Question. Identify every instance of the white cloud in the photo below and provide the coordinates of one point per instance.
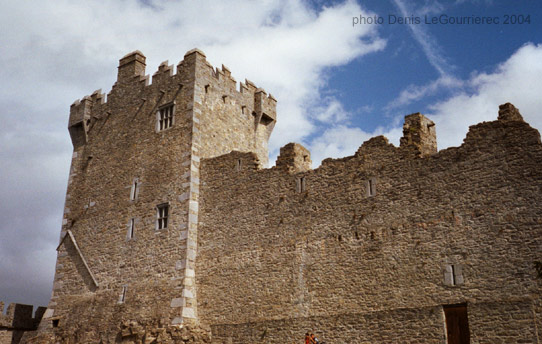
(431, 7)
(331, 111)
(337, 142)
(428, 43)
(416, 92)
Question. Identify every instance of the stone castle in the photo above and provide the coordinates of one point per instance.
(173, 232)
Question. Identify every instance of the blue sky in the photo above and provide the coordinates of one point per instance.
(337, 84)
(460, 50)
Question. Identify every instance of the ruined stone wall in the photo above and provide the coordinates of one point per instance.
(365, 250)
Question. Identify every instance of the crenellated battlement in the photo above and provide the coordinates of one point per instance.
(247, 108)
(132, 69)
(20, 316)
(164, 71)
(418, 141)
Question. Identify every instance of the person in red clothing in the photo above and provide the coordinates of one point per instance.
(307, 338)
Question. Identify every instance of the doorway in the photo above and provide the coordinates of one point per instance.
(457, 324)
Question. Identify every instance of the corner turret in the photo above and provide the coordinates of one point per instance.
(265, 110)
(79, 121)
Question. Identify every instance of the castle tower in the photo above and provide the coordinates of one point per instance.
(128, 242)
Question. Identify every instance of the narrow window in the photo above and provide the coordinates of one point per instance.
(238, 165)
(243, 109)
(131, 229)
(457, 324)
(165, 118)
(453, 275)
(206, 88)
(300, 185)
(134, 190)
(224, 98)
(56, 322)
(162, 216)
(371, 187)
(122, 297)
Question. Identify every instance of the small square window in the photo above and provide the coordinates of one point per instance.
(165, 118)
(162, 213)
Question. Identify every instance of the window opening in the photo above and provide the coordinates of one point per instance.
(162, 216)
(123, 295)
(301, 185)
(165, 117)
(131, 229)
(453, 275)
(371, 187)
(134, 190)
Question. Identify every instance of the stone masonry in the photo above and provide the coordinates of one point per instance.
(376, 247)
(174, 232)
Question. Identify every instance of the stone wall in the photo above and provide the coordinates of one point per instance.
(458, 226)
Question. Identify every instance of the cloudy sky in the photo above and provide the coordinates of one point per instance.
(343, 71)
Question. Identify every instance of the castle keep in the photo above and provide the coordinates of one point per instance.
(174, 231)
